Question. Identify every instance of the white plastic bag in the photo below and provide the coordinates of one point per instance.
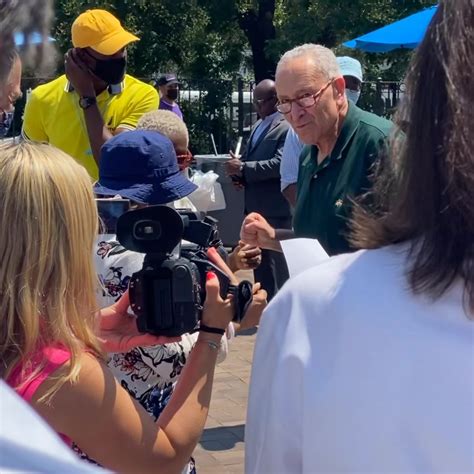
(209, 195)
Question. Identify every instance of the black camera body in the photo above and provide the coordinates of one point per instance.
(168, 293)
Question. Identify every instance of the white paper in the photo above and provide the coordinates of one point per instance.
(302, 254)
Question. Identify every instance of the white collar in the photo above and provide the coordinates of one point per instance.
(113, 89)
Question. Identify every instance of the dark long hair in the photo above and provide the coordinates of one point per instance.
(426, 189)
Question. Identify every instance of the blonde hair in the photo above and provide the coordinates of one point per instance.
(324, 60)
(48, 220)
(168, 124)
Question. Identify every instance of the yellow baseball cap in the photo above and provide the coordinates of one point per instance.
(101, 31)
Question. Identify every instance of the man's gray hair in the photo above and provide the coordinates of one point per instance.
(24, 16)
(325, 62)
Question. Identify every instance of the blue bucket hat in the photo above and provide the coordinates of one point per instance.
(141, 165)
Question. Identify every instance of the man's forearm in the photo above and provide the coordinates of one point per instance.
(280, 234)
(96, 129)
(284, 234)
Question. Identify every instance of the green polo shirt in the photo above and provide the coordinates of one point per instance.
(325, 191)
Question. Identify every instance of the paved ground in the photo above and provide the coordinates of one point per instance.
(221, 449)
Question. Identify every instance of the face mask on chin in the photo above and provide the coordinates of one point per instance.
(353, 96)
(111, 71)
(6, 120)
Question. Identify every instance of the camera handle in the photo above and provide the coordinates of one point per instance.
(243, 297)
(207, 266)
(243, 292)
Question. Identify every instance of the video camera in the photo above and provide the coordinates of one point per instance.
(168, 293)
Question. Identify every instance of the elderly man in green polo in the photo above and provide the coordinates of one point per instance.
(342, 144)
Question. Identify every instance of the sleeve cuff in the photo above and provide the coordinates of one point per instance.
(127, 127)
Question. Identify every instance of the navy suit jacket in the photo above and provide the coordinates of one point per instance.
(261, 172)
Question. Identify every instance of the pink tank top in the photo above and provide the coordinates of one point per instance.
(55, 357)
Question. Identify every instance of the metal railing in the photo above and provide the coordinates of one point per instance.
(224, 108)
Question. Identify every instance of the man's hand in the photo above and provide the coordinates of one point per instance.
(234, 165)
(118, 329)
(245, 257)
(78, 73)
(257, 232)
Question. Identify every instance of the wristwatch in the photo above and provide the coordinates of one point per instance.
(85, 102)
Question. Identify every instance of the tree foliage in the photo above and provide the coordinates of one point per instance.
(330, 23)
(211, 38)
(175, 35)
(208, 41)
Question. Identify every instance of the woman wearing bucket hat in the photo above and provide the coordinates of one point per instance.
(142, 166)
(243, 256)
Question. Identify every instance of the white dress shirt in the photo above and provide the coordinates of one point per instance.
(263, 126)
(352, 372)
(290, 159)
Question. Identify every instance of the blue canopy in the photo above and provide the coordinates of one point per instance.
(405, 33)
(34, 38)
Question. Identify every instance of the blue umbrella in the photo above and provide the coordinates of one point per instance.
(34, 38)
(405, 33)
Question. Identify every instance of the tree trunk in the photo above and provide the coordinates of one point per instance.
(259, 28)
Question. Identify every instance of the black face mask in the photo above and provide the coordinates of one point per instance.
(172, 94)
(111, 71)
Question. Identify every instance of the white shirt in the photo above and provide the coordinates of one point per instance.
(290, 159)
(263, 126)
(354, 373)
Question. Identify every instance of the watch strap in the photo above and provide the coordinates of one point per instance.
(86, 101)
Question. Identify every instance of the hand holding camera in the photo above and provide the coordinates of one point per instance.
(252, 315)
(217, 312)
(119, 332)
(169, 292)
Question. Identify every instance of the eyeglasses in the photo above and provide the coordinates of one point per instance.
(260, 102)
(184, 160)
(305, 101)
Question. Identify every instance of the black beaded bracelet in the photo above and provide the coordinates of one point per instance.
(205, 328)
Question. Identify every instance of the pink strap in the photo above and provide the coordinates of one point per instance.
(55, 357)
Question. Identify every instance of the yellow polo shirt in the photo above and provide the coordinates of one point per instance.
(53, 115)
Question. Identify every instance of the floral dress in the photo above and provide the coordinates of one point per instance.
(149, 374)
